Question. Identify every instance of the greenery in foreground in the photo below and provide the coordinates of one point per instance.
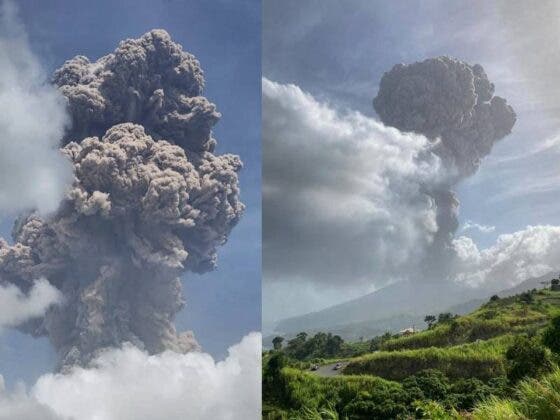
(499, 362)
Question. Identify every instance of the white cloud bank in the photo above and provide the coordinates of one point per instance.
(17, 307)
(528, 253)
(33, 173)
(128, 384)
(343, 195)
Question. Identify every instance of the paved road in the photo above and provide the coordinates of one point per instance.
(327, 370)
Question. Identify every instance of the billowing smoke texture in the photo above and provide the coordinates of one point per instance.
(446, 99)
(343, 197)
(149, 202)
(150, 81)
(453, 104)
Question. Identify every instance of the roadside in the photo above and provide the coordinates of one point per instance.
(329, 370)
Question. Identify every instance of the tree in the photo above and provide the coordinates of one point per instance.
(333, 345)
(555, 284)
(494, 298)
(527, 358)
(551, 336)
(296, 347)
(375, 343)
(526, 297)
(429, 319)
(445, 317)
(277, 342)
(272, 382)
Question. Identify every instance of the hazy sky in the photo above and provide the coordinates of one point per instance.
(224, 305)
(338, 51)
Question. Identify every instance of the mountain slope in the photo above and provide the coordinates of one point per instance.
(395, 307)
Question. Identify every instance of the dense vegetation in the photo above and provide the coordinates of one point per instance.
(323, 346)
(515, 314)
(483, 360)
(491, 364)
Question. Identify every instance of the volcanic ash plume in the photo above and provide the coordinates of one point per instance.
(150, 81)
(453, 104)
(149, 201)
(446, 99)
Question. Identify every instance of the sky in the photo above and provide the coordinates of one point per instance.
(337, 53)
(223, 305)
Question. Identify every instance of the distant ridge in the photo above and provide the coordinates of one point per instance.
(396, 306)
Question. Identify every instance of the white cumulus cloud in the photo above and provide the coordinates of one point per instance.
(129, 384)
(343, 195)
(17, 307)
(33, 173)
(515, 257)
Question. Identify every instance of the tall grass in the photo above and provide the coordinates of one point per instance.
(305, 413)
(482, 360)
(534, 399)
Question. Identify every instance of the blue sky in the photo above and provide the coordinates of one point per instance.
(224, 35)
(338, 51)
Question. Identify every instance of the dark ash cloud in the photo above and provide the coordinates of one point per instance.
(150, 81)
(451, 103)
(149, 202)
(446, 100)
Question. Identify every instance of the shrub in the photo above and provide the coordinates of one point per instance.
(356, 397)
(526, 358)
(551, 336)
(467, 392)
(433, 384)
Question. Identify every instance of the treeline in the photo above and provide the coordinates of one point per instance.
(322, 345)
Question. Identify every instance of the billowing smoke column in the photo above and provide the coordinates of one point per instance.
(453, 104)
(150, 201)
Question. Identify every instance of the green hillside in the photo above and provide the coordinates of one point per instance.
(460, 367)
(482, 360)
(501, 316)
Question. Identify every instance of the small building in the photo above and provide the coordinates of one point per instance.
(407, 331)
